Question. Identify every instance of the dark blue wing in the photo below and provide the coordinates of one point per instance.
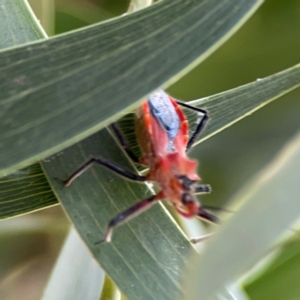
(164, 111)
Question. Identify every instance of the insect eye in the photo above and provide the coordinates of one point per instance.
(186, 182)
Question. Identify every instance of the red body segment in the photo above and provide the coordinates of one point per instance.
(162, 132)
(166, 165)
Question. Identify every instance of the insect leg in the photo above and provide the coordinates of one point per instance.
(210, 207)
(126, 215)
(101, 161)
(114, 127)
(201, 238)
(202, 189)
(200, 125)
(203, 214)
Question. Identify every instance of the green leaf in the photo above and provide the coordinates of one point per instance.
(284, 271)
(75, 264)
(271, 206)
(194, 228)
(110, 291)
(136, 5)
(149, 251)
(233, 105)
(45, 15)
(18, 24)
(25, 191)
(224, 108)
(57, 91)
(228, 107)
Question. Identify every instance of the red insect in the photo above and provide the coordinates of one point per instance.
(162, 132)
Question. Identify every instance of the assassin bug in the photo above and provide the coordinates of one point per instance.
(162, 132)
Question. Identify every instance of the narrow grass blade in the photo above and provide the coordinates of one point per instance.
(25, 191)
(228, 107)
(76, 274)
(224, 108)
(271, 207)
(284, 270)
(146, 256)
(63, 89)
(231, 106)
(18, 24)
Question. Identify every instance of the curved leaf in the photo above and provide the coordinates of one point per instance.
(25, 191)
(18, 24)
(224, 108)
(228, 107)
(284, 270)
(58, 91)
(271, 207)
(233, 105)
(75, 264)
(149, 251)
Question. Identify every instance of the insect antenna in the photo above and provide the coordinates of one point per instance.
(216, 208)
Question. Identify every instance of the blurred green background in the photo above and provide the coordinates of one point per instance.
(268, 43)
